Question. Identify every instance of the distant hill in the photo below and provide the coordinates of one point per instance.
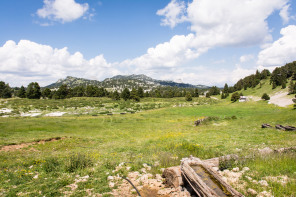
(119, 82)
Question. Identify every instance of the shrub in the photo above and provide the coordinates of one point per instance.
(235, 96)
(188, 96)
(265, 97)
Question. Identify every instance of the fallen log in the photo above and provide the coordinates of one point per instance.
(266, 126)
(285, 128)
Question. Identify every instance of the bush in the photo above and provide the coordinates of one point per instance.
(235, 96)
(265, 97)
(188, 97)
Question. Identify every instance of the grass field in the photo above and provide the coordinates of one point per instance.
(93, 144)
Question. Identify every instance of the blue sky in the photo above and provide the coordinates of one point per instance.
(209, 42)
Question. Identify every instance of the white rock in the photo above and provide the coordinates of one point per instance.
(158, 177)
(265, 151)
(109, 178)
(245, 169)
(35, 177)
(252, 192)
(264, 194)
(249, 178)
(111, 184)
(263, 183)
(235, 169)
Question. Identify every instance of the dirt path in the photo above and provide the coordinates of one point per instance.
(281, 99)
(24, 145)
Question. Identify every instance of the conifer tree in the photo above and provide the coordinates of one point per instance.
(22, 92)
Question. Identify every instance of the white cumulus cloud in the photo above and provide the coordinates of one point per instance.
(27, 61)
(281, 51)
(284, 13)
(62, 10)
(173, 13)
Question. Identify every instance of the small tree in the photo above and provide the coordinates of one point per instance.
(235, 96)
(115, 95)
(265, 97)
(46, 93)
(294, 100)
(140, 92)
(5, 90)
(22, 92)
(33, 91)
(292, 87)
(125, 94)
(188, 96)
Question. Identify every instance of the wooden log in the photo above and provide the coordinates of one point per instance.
(285, 128)
(204, 181)
(280, 127)
(266, 126)
(173, 176)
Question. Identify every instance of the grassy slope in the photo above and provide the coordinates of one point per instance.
(265, 87)
(146, 137)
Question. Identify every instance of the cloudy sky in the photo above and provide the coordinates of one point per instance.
(208, 42)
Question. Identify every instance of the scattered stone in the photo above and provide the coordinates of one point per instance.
(264, 194)
(245, 169)
(263, 183)
(111, 184)
(252, 192)
(265, 151)
(235, 169)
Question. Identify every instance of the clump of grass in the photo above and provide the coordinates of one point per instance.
(227, 163)
(77, 162)
(51, 164)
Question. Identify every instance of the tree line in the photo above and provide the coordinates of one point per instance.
(33, 91)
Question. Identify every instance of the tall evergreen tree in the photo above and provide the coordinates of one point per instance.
(46, 93)
(33, 91)
(125, 94)
(5, 90)
(140, 92)
(22, 92)
(115, 95)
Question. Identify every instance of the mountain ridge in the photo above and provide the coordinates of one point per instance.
(119, 82)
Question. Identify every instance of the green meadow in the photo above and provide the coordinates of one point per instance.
(92, 143)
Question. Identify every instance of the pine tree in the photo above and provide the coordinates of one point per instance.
(46, 93)
(22, 92)
(134, 95)
(292, 87)
(140, 92)
(125, 94)
(5, 90)
(115, 95)
(33, 91)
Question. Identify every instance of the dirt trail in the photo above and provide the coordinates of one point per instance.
(281, 99)
(24, 145)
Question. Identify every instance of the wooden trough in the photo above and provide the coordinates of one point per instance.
(202, 179)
